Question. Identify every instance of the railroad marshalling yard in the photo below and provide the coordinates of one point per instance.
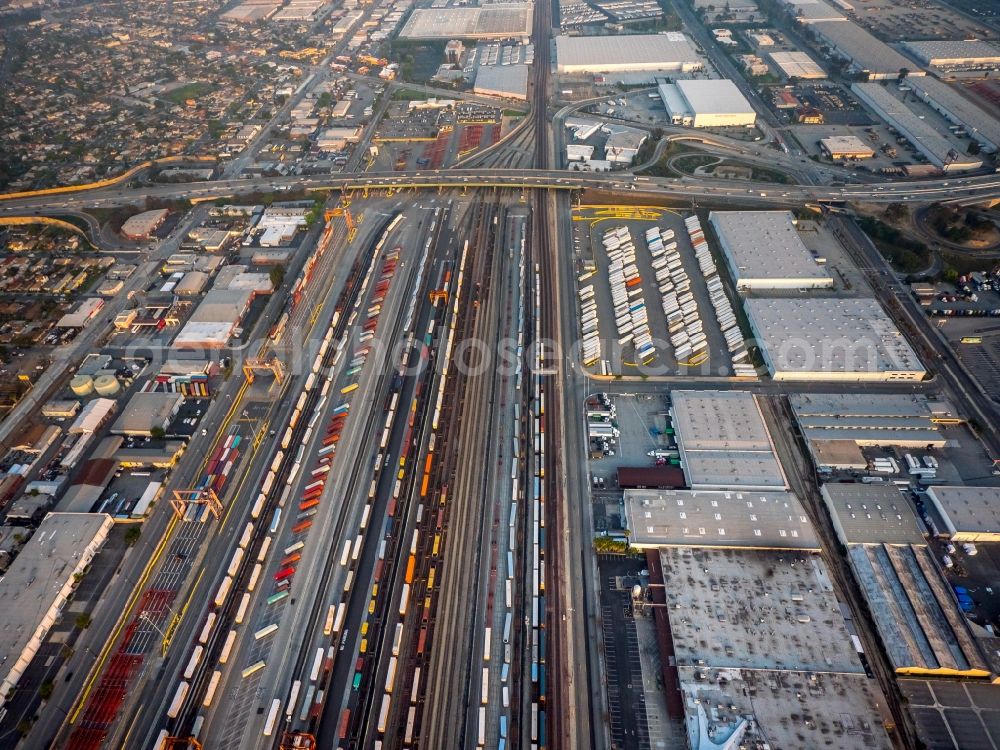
(370, 543)
(503, 455)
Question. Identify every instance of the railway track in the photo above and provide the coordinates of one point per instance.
(447, 689)
(225, 615)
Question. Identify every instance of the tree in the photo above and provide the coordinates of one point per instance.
(157, 433)
(83, 621)
(132, 535)
(277, 275)
(896, 212)
(903, 72)
(974, 148)
(45, 690)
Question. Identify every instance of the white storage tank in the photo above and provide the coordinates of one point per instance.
(82, 385)
(106, 385)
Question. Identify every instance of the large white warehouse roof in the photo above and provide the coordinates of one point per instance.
(39, 582)
(764, 251)
(706, 103)
(953, 52)
(831, 339)
(640, 52)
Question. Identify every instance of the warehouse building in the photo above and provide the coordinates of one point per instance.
(970, 514)
(710, 103)
(813, 11)
(844, 339)
(753, 632)
(836, 425)
(654, 53)
(918, 620)
(797, 65)
(871, 514)
(723, 441)
(939, 151)
(38, 584)
(760, 245)
(215, 320)
(141, 226)
(954, 53)
(717, 518)
(500, 21)
(147, 412)
(864, 52)
(841, 147)
(946, 100)
(623, 143)
(505, 81)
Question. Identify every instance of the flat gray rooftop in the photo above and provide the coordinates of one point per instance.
(490, 22)
(830, 710)
(38, 582)
(759, 609)
(831, 338)
(871, 514)
(863, 49)
(970, 513)
(918, 619)
(762, 245)
(716, 518)
(723, 440)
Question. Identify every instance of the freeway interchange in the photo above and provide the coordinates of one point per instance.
(962, 189)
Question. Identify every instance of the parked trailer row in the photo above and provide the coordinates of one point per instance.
(631, 321)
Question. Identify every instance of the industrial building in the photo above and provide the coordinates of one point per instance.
(979, 124)
(795, 64)
(500, 21)
(871, 514)
(146, 411)
(864, 52)
(756, 631)
(505, 81)
(918, 620)
(954, 53)
(723, 441)
(654, 53)
(813, 12)
(846, 147)
(214, 321)
(886, 419)
(623, 143)
(970, 514)
(940, 151)
(844, 339)
(708, 103)
(39, 582)
(763, 250)
(717, 518)
(83, 314)
(141, 226)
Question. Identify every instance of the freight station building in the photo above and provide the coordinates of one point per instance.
(848, 339)
(763, 250)
(38, 584)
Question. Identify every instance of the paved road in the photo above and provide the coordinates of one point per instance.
(967, 189)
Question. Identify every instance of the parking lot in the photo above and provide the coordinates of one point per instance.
(643, 424)
(618, 355)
